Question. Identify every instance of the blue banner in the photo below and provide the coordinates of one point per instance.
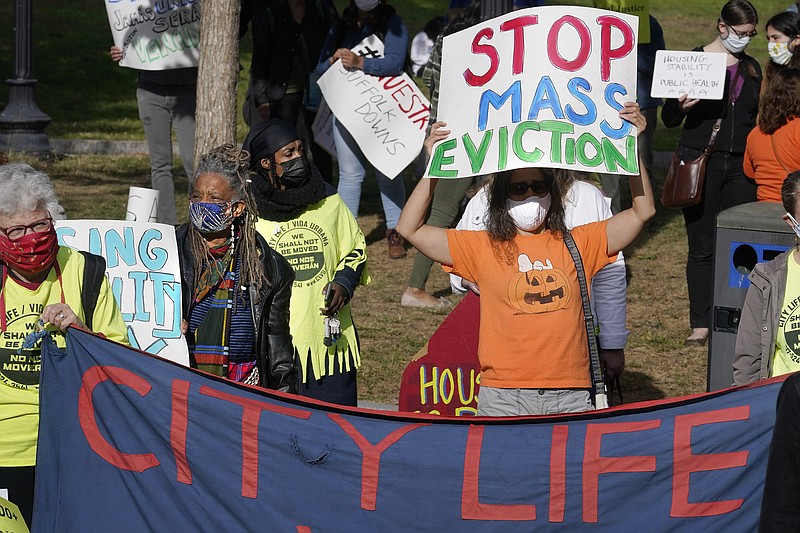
(131, 442)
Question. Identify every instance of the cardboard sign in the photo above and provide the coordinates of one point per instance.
(156, 34)
(539, 87)
(698, 75)
(640, 8)
(142, 267)
(387, 117)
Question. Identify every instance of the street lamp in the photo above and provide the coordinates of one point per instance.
(22, 123)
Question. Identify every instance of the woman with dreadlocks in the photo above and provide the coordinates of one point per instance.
(236, 289)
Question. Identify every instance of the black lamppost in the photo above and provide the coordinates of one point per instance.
(22, 123)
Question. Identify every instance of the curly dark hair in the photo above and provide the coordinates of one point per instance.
(499, 224)
(781, 101)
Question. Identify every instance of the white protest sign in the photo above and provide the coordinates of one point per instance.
(322, 128)
(387, 116)
(539, 87)
(142, 267)
(698, 75)
(156, 35)
(142, 205)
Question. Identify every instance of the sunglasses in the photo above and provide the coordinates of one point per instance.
(538, 187)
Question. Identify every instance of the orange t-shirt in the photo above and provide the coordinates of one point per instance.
(532, 333)
(761, 163)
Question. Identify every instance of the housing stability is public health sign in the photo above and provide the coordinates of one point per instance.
(539, 87)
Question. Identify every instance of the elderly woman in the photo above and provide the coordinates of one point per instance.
(43, 286)
(236, 289)
(305, 220)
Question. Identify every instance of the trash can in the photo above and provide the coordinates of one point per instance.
(745, 235)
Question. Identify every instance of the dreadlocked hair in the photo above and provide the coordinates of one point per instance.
(499, 224)
(232, 164)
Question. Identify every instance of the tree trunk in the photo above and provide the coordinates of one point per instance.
(217, 75)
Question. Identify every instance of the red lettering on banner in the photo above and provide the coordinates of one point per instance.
(178, 427)
(518, 26)
(594, 464)
(490, 52)
(558, 473)
(584, 35)
(685, 462)
(251, 417)
(371, 457)
(607, 54)
(303, 529)
(471, 507)
(136, 462)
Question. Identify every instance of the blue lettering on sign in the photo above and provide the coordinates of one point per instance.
(575, 86)
(120, 248)
(615, 133)
(490, 97)
(546, 97)
(155, 258)
(164, 284)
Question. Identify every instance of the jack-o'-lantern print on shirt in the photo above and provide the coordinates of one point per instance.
(538, 287)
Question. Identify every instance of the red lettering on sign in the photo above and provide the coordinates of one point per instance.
(178, 427)
(251, 417)
(584, 35)
(136, 462)
(371, 457)
(490, 52)
(607, 54)
(518, 25)
(594, 464)
(471, 508)
(685, 462)
(558, 473)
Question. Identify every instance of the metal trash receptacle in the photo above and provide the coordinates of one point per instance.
(745, 235)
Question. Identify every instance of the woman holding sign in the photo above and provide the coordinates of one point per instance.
(533, 349)
(361, 19)
(725, 183)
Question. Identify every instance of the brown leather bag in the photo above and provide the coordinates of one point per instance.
(684, 184)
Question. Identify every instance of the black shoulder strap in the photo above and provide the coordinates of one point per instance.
(601, 400)
(94, 270)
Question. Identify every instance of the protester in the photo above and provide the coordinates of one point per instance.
(771, 150)
(44, 287)
(533, 361)
(360, 19)
(783, 38)
(287, 41)
(725, 183)
(304, 219)
(583, 203)
(236, 289)
(449, 194)
(422, 44)
(167, 101)
(768, 327)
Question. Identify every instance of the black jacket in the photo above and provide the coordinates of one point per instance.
(737, 118)
(276, 40)
(270, 309)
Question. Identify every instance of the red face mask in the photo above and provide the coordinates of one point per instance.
(30, 254)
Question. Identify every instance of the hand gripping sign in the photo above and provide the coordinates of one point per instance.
(387, 116)
(539, 87)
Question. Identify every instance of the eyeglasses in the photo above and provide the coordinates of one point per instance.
(17, 232)
(538, 187)
(741, 35)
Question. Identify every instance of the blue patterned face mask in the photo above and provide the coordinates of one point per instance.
(211, 217)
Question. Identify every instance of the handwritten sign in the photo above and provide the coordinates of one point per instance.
(156, 35)
(539, 87)
(322, 128)
(142, 267)
(696, 74)
(386, 116)
(640, 8)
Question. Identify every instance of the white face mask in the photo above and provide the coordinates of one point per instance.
(779, 52)
(733, 43)
(530, 213)
(367, 5)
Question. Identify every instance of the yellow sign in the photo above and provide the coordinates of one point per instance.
(640, 8)
(11, 520)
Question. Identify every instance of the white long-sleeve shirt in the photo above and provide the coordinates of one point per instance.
(584, 203)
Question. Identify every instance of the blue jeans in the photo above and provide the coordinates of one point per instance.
(353, 168)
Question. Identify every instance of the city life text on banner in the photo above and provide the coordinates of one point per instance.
(387, 116)
(156, 34)
(539, 87)
(142, 268)
(146, 438)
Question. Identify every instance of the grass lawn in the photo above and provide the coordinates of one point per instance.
(90, 97)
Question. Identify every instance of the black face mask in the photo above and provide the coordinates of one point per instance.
(295, 172)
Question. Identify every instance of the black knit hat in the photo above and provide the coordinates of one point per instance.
(267, 138)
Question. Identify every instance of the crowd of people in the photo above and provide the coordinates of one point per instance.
(259, 311)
